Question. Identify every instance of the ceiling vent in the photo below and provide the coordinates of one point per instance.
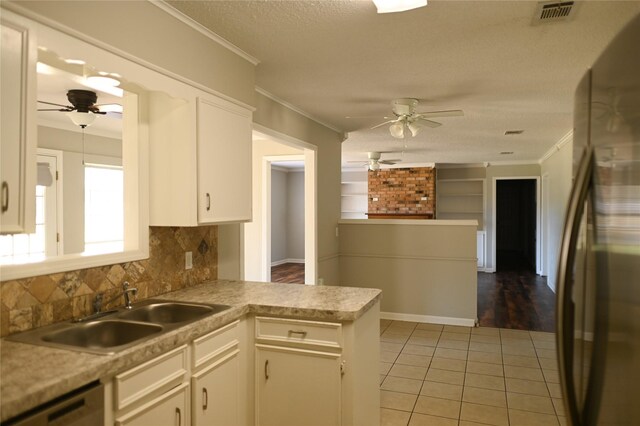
(553, 12)
(513, 132)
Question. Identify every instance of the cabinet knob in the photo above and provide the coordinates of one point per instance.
(5, 196)
(208, 202)
(205, 398)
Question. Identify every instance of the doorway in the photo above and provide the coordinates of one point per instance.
(287, 221)
(516, 225)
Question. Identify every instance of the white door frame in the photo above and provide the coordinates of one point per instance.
(495, 215)
(309, 156)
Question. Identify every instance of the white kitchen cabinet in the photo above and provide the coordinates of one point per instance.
(169, 409)
(297, 386)
(298, 372)
(216, 389)
(199, 160)
(224, 162)
(18, 137)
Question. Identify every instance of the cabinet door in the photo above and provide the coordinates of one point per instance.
(297, 387)
(18, 129)
(215, 398)
(224, 162)
(169, 409)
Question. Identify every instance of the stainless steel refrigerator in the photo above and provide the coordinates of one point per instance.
(598, 306)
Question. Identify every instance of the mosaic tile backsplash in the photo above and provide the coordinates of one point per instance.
(33, 302)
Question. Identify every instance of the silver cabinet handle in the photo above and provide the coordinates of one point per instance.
(205, 398)
(179, 416)
(208, 201)
(564, 308)
(266, 370)
(300, 332)
(5, 196)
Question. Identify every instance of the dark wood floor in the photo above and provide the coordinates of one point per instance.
(515, 297)
(292, 273)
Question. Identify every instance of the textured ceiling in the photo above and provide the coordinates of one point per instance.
(334, 59)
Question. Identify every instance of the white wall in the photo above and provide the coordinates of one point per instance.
(295, 215)
(556, 172)
(279, 228)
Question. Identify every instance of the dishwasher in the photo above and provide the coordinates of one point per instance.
(81, 407)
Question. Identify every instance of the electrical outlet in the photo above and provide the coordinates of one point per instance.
(320, 281)
(337, 231)
(188, 260)
(424, 198)
(375, 199)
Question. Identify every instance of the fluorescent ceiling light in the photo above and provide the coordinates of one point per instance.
(111, 108)
(390, 6)
(102, 80)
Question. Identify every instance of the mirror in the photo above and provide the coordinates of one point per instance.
(91, 189)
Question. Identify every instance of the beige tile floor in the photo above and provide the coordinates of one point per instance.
(450, 375)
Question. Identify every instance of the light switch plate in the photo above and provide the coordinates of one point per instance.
(188, 260)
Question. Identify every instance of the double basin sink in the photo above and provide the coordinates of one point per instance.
(113, 331)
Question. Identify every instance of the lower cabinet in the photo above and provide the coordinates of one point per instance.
(216, 390)
(297, 387)
(170, 409)
(196, 384)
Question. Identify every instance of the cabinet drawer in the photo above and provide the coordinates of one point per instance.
(211, 345)
(327, 334)
(150, 378)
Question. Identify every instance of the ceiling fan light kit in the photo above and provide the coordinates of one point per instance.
(392, 6)
(82, 119)
(397, 130)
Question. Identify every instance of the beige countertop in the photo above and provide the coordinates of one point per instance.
(31, 375)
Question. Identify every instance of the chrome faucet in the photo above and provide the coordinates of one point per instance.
(126, 292)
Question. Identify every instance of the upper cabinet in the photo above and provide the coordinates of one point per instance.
(200, 161)
(224, 162)
(18, 138)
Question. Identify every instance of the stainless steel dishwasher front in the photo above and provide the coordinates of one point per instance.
(82, 407)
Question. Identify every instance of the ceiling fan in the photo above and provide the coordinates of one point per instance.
(406, 117)
(374, 161)
(83, 107)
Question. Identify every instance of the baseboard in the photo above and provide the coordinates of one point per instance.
(433, 319)
(283, 261)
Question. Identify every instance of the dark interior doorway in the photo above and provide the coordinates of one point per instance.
(516, 225)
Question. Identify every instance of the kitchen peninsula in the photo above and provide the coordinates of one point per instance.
(32, 375)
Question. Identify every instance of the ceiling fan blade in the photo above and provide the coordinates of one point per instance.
(386, 122)
(55, 109)
(428, 123)
(392, 161)
(445, 113)
(51, 103)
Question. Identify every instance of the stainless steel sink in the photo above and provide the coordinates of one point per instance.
(99, 335)
(108, 333)
(171, 312)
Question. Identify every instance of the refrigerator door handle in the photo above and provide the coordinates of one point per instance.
(564, 310)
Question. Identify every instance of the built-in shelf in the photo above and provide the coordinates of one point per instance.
(461, 199)
(354, 195)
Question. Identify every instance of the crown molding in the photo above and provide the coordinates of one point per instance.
(161, 4)
(298, 110)
(556, 147)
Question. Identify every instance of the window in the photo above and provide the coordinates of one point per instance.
(104, 209)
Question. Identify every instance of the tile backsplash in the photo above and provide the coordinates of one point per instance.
(33, 302)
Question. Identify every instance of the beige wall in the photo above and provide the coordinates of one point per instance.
(281, 119)
(425, 271)
(556, 181)
(146, 32)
